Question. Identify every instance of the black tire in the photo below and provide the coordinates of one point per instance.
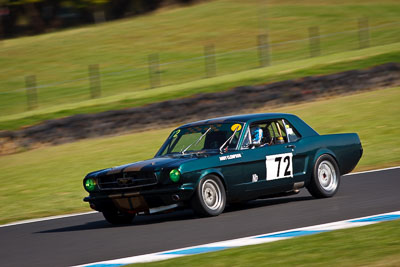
(325, 178)
(117, 217)
(209, 198)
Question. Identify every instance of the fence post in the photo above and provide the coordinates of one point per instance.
(314, 41)
(263, 50)
(94, 78)
(209, 60)
(154, 70)
(363, 33)
(31, 92)
(99, 16)
(1, 33)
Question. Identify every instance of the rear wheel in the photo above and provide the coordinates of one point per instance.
(209, 198)
(117, 217)
(326, 177)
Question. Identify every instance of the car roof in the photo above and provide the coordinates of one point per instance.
(237, 118)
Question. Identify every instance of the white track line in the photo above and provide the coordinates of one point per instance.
(47, 218)
(251, 240)
(91, 212)
(378, 170)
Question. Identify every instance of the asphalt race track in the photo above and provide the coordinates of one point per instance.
(88, 238)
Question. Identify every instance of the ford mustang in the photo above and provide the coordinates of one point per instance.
(209, 164)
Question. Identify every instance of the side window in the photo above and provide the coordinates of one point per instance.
(257, 134)
(293, 134)
(268, 133)
(246, 141)
(263, 133)
(277, 132)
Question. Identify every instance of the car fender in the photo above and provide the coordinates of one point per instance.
(215, 172)
(319, 153)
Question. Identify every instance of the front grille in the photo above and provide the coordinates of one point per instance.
(126, 180)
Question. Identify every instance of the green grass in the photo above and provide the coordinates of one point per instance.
(179, 34)
(317, 66)
(373, 115)
(48, 180)
(373, 245)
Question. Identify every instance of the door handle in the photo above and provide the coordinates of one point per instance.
(291, 146)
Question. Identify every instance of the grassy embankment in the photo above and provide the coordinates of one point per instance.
(179, 34)
(358, 59)
(48, 181)
(373, 245)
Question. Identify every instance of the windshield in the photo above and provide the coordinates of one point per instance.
(200, 138)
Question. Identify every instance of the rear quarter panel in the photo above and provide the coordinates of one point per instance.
(345, 148)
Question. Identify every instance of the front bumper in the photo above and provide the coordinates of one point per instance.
(140, 201)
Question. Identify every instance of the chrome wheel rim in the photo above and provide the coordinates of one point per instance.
(211, 194)
(327, 176)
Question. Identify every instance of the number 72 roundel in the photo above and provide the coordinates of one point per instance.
(279, 166)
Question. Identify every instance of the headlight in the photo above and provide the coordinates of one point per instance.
(174, 175)
(89, 184)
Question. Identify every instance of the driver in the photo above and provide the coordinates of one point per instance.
(256, 135)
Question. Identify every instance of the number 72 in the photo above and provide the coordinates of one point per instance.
(279, 166)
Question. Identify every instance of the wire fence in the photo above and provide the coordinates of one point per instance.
(100, 82)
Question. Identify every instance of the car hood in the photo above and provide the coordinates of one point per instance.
(154, 164)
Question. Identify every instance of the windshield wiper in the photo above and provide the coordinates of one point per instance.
(229, 140)
(197, 141)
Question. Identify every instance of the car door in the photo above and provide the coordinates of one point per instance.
(269, 167)
(300, 150)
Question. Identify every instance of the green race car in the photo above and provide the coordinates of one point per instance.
(208, 164)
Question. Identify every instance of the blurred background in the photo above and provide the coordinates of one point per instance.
(40, 16)
(74, 70)
(167, 42)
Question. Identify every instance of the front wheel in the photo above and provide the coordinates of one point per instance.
(117, 217)
(209, 198)
(326, 177)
